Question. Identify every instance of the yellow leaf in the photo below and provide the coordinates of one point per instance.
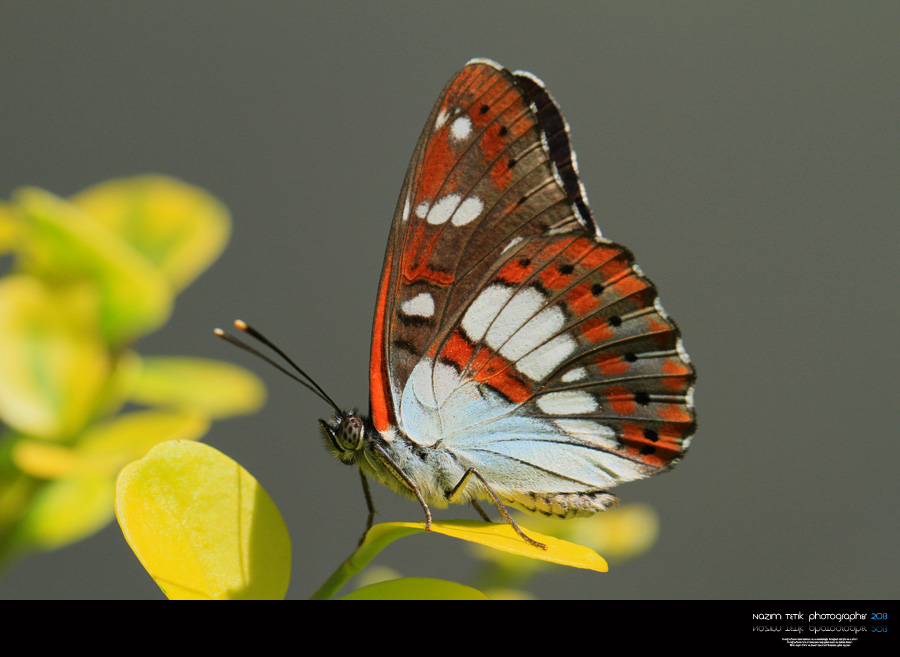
(53, 362)
(499, 536)
(619, 533)
(202, 526)
(178, 227)
(106, 447)
(8, 228)
(62, 243)
(67, 510)
(212, 387)
(45, 460)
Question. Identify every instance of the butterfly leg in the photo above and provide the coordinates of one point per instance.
(481, 512)
(402, 476)
(454, 494)
(370, 504)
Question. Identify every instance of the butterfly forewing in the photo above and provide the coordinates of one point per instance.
(480, 178)
(506, 329)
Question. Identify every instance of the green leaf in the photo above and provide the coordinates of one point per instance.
(499, 536)
(63, 244)
(54, 363)
(202, 526)
(180, 228)
(416, 588)
(67, 510)
(212, 387)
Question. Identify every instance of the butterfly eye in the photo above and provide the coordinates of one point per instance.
(349, 434)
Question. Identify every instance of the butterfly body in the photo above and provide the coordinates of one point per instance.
(436, 472)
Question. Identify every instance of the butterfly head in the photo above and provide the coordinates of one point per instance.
(344, 435)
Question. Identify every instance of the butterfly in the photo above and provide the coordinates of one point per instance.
(517, 355)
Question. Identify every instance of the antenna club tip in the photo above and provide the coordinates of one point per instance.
(241, 324)
(219, 332)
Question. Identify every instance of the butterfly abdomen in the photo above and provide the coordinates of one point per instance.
(563, 505)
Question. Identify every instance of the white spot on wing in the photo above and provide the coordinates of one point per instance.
(537, 331)
(575, 374)
(516, 327)
(483, 310)
(422, 210)
(543, 360)
(406, 209)
(511, 244)
(443, 209)
(681, 352)
(446, 380)
(441, 119)
(587, 430)
(421, 305)
(521, 308)
(461, 128)
(484, 60)
(569, 402)
(467, 211)
(660, 309)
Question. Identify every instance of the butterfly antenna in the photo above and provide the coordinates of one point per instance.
(315, 388)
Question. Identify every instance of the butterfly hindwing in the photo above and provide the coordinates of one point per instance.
(506, 328)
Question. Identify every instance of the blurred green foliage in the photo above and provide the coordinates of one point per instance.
(89, 276)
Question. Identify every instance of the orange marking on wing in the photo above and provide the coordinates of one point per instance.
(661, 332)
(415, 266)
(514, 272)
(676, 383)
(495, 370)
(553, 279)
(463, 80)
(439, 161)
(629, 285)
(493, 143)
(633, 435)
(486, 367)
(457, 350)
(676, 374)
(501, 174)
(674, 367)
(498, 136)
(674, 413)
(491, 101)
(598, 255)
(613, 269)
(551, 251)
(596, 330)
(379, 394)
(581, 300)
(487, 79)
(620, 400)
(577, 250)
(611, 364)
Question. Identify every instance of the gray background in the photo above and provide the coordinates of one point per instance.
(746, 152)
